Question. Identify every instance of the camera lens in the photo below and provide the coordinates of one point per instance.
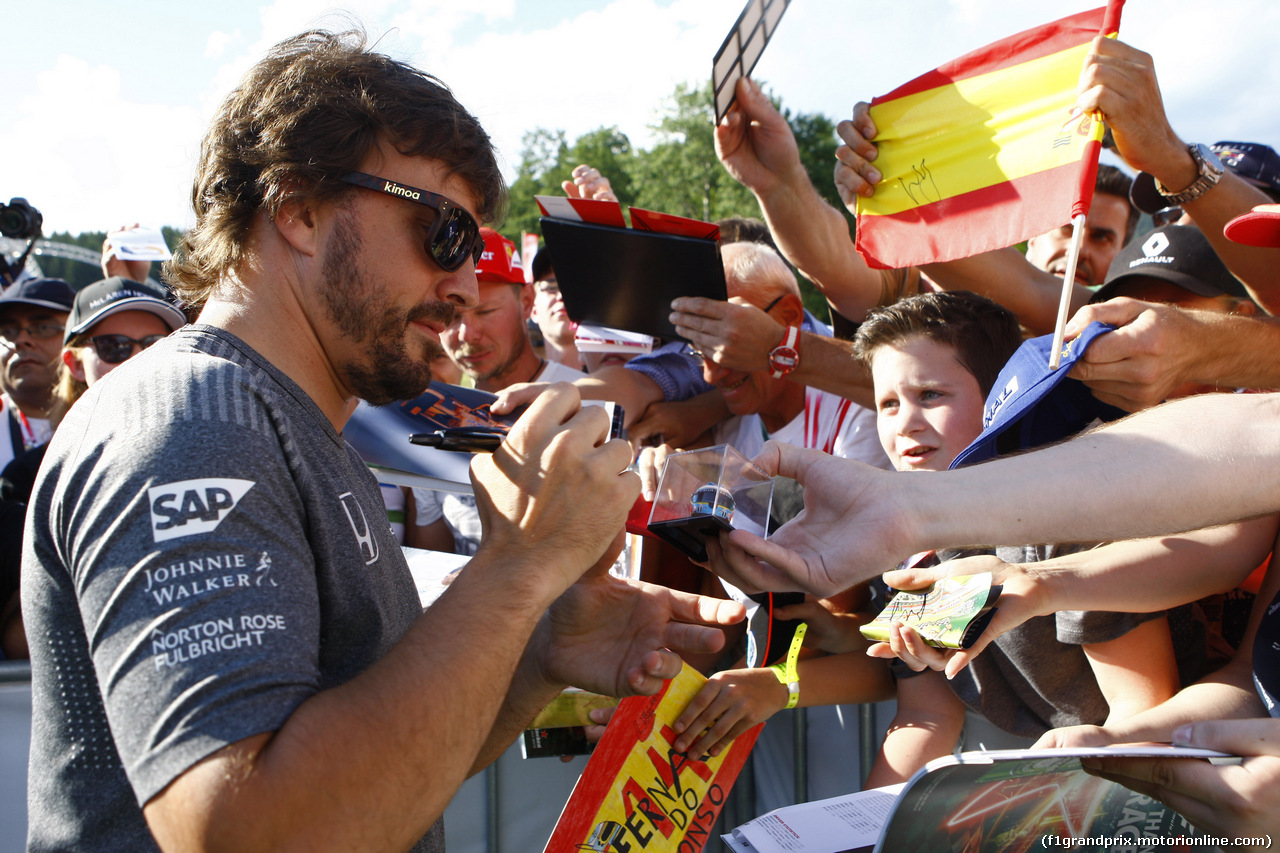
(20, 220)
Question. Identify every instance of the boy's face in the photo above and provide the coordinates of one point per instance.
(928, 406)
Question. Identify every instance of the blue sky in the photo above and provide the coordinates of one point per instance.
(104, 104)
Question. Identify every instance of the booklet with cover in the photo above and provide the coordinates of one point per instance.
(637, 792)
(997, 801)
(380, 434)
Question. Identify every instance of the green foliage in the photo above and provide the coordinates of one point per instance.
(547, 159)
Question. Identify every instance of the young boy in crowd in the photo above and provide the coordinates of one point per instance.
(933, 359)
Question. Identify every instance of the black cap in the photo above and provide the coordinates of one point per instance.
(101, 299)
(53, 293)
(1256, 163)
(542, 264)
(1178, 254)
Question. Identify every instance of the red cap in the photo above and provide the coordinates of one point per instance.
(500, 261)
(1259, 227)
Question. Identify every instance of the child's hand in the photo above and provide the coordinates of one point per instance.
(905, 644)
(829, 631)
(1068, 736)
(728, 704)
(1024, 595)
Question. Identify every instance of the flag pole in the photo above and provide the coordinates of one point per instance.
(1068, 285)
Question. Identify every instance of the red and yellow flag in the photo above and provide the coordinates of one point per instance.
(985, 151)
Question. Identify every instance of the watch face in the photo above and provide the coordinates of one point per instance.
(784, 358)
(1210, 158)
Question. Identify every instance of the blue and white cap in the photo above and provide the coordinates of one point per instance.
(1031, 405)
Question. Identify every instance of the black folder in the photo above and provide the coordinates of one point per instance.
(625, 278)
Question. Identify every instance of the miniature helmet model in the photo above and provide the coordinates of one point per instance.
(713, 500)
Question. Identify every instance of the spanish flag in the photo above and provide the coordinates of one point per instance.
(987, 150)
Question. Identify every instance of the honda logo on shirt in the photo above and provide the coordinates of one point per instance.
(360, 527)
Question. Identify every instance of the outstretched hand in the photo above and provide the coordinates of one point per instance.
(849, 530)
(1153, 350)
(735, 334)
(588, 182)
(621, 637)
(755, 143)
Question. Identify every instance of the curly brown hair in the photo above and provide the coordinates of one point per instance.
(303, 117)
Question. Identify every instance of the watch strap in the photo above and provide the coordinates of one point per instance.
(786, 355)
(1208, 179)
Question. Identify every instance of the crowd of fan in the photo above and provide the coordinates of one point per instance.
(1103, 654)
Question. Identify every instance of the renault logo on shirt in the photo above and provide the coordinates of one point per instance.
(187, 507)
(360, 527)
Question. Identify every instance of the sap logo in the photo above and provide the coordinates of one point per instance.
(188, 507)
(360, 527)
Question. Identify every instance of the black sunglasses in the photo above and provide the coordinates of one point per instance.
(454, 234)
(114, 349)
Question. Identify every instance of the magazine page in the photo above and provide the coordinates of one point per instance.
(1008, 801)
(845, 824)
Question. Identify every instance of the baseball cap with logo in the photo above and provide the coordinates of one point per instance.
(500, 261)
(1256, 163)
(1258, 227)
(1178, 254)
(1251, 161)
(1030, 405)
(100, 300)
(53, 293)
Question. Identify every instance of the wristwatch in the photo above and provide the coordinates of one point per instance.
(1210, 173)
(785, 357)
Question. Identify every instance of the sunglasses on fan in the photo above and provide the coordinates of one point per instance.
(114, 349)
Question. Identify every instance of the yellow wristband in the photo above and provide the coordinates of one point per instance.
(788, 674)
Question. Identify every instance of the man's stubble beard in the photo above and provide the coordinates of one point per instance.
(363, 314)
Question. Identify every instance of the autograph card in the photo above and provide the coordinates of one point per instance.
(949, 614)
(742, 48)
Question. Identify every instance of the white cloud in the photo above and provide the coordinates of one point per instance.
(93, 159)
(218, 42)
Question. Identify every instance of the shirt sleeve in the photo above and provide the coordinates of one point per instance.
(196, 587)
(677, 374)
(427, 507)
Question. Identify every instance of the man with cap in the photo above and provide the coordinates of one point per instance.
(550, 314)
(110, 320)
(1196, 326)
(33, 316)
(490, 340)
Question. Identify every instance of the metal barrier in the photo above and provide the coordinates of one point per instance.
(15, 672)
